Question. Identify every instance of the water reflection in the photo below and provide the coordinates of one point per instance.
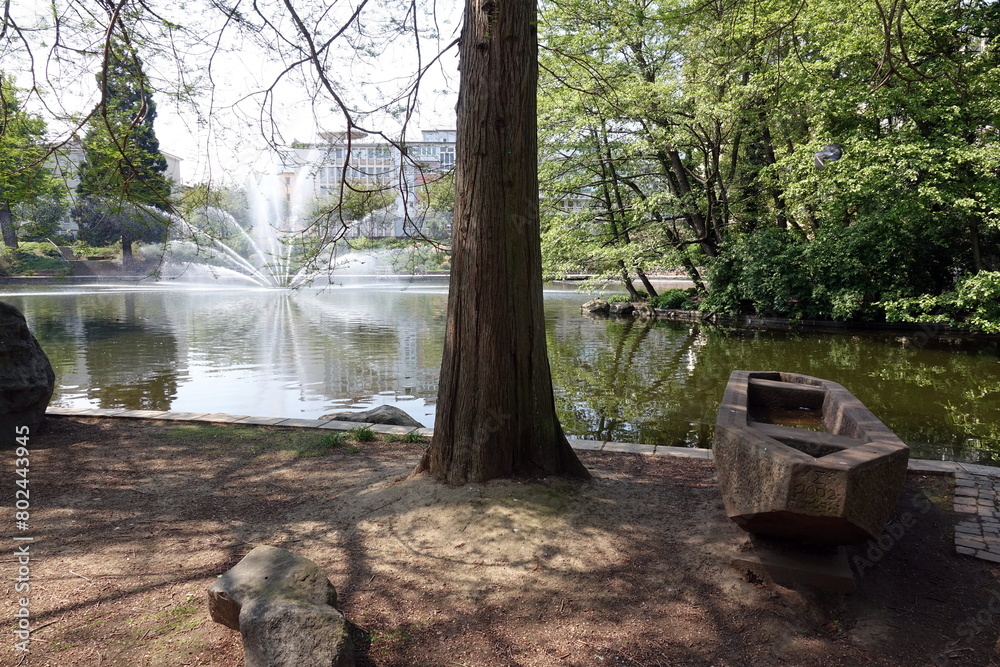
(117, 333)
(308, 353)
(661, 382)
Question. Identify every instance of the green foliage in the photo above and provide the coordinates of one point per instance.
(354, 202)
(413, 437)
(122, 185)
(362, 434)
(974, 304)
(104, 222)
(82, 249)
(687, 135)
(839, 273)
(618, 298)
(24, 177)
(330, 440)
(674, 299)
(30, 258)
(6, 261)
(40, 248)
(439, 193)
(39, 218)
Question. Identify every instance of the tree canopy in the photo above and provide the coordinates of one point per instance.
(122, 184)
(25, 180)
(690, 132)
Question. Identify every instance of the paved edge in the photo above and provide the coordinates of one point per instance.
(977, 487)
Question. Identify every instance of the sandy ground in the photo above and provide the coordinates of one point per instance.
(133, 520)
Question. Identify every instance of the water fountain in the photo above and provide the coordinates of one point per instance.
(270, 249)
(261, 251)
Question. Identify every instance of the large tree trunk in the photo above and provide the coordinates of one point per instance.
(7, 225)
(496, 414)
(127, 260)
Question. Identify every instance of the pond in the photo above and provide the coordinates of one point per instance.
(206, 348)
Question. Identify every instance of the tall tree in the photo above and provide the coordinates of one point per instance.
(24, 178)
(496, 414)
(122, 182)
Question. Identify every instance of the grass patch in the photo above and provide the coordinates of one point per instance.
(362, 434)
(330, 440)
(203, 432)
(181, 617)
(323, 444)
(409, 438)
(399, 636)
(233, 439)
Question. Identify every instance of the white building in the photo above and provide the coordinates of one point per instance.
(311, 171)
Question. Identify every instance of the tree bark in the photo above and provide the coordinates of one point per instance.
(7, 225)
(127, 260)
(496, 413)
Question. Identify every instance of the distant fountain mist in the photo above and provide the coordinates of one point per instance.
(264, 252)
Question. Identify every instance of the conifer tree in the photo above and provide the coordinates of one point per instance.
(123, 190)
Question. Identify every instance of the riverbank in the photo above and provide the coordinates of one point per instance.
(132, 519)
(916, 332)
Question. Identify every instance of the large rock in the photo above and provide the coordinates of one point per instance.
(597, 305)
(26, 378)
(622, 308)
(283, 606)
(383, 414)
(644, 311)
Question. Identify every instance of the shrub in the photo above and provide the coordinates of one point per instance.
(673, 299)
(28, 262)
(6, 262)
(39, 248)
(837, 272)
(330, 440)
(973, 304)
(363, 434)
(618, 298)
(413, 437)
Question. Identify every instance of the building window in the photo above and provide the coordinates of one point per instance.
(447, 154)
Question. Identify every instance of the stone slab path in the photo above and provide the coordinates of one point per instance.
(976, 497)
(977, 487)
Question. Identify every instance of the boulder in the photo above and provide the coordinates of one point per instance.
(383, 414)
(645, 312)
(597, 305)
(26, 378)
(622, 308)
(283, 606)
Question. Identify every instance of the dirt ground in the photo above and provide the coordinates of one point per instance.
(133, 520)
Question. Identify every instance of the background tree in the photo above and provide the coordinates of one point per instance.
(496, 413)
(436, 197)
(716, 111)
(24, 179)
(122, 189)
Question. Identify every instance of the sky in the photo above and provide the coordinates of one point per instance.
(205, 75)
